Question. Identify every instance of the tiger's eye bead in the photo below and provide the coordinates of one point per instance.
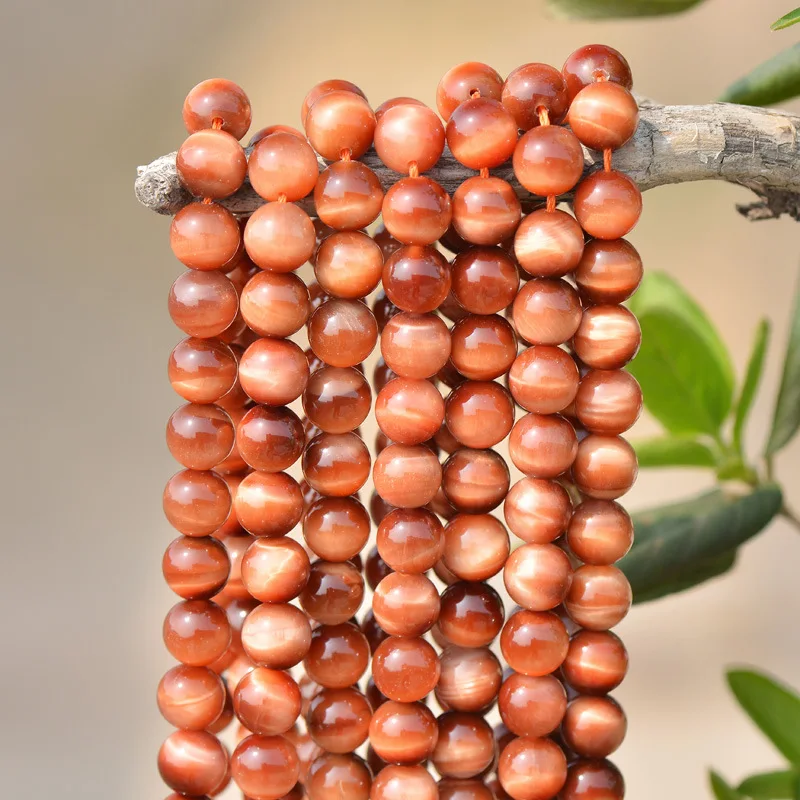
(376, 568)
(407, 476)
(548, 244)
(608, 337)
(465, 746)
(336, 465)
(323, 88)
(202, 370)
(405, 670)
(537, 576)
(267, 701)
(333, 593)
(276, 635)
(405, 605)
(415, 345)
(195, 568)
(348, 196)
(537, 511)
(275, 570)
(483, 347)
(270, 439)
(398, 782)
(199, 436)
(279, 237)
(196, 503)
(543, 445)
(593, 780)
(547, 312)
(409, 411)
(484, 280)
(608, 401)
(609, 271)
(543, 379)
(338, 657)
(607, 204)
(217, 98)
(600, 532)
(599, 597)
(336, 528)
(192, 762)
(336, 399)
(481, 133)
(211, 163)
(265, 767)
(383, 309)
(191, 698)
(283, 164)
(479, 413)
(392, 103)
(532, 769)
(534, 642)
(471, 615)
(475, 546)
(594, 727)
(460, 83)
(470, 679)
(604, 115)
(403, 733)
(268, 504)
(595, 62)
(262, 133)
(348, 264)
(596, 662)
(548, 160)
(409, 133)
(342, 332)
(339, 719)
(532, 706)
(339, 121)
(273, 371)
(532, 86)
(196, 632)
(465, 789)
(485, 210)
(204, 236)
(203, 304)
(416, 279)
(417, 211)
(475, 481)
(605, 467)
(410, 540)
(275, 304)
(333, 776)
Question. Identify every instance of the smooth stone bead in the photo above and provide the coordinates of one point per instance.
(342, 333)
(600, 532)
(374, 633)
(196, 632)
(594, 727)
(339, 719)
(348, 196)
(337, 399)
(409, 411)
(336, 465)
(593, 780)
(475, 481)
(548, 244)
(479, 413)
(191, 698)
(196, 503)
(202, 370)
(465, 746)
(334, 776)
(338, 656)
(236, 543)
(270, 439)
(547, 311)
(262, 133)
(608, 337)
(532, 706)
(405, 669)
(548, 160)
(410, 540)
(217, 98)
(204, 236)
(595, 62)
(348, 264)
(537, 511)
(417, 210)
(464, 789)
(199, 436)
(603, 115)
(599, 597)
(409, 133)
(483, 347)
(470, 679)
(275, 570)
(340, 121)
(484, 279)
(195, 568)
(486, 210)
(283, 165)
(532, 769)
(398, 782)
(605, 467)
(323, 88)
(537, 576)
(607, 204)
(608, 401)
(471, 614)
(532, 86)
(609, 271)
(192, 762)
(279, 237)
(475, 546)
(407, 476)
(383, 309)
(596, 662)
(268, 504)
(534, 642)
(392, 103)
(203, 304)
(333, 593)
(336, 528)
(543, 445)
(376, 568)
(405, 604)
(265, 767)
(415, 345)
(273, 371)
(461, 82)
(276, 635)
(211, 163)
(403, 733)
(481, 133)
(416, 279)
(544, 379)
(267, 701)
(275, 304)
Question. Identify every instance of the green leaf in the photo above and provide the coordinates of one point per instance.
(667, 451)
(680, 546)
(786, 21)
(772, 82)
(755, 366)
(612, 9)
(786, 417)
(770, 785)
(722, 791)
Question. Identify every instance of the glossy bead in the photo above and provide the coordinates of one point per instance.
(336, 465)
(532, 769)
(217, 98)
(475, 546)
(339, 719)
(484, 280)
(410, 540)
(416, 279)
(268, 504)
(191, 698)
(603, 115)
(594, 727)
(196, 632)
(543, 379)
(532, 706)
(192, 762)
(547, 312)
(262, 133)
(196, 503)
(405, 605)
(283, 165)
(543, 445)
(417, 211)
(481, 133)
(609, 271)
(595, 62)
(336, 528)
(195, 568)
(548, 244)
(267, 701)
(279, 237)
(479, 413)
(276, 635)
(407, 476)
(275, 570)
(605, 467)
(275, 304)
(475, 481)
(471, 615)
(265, 767)
(392, 102)
(333, 593)
(464, 789)
(532, 86)
(537, 576)
(202, 370)
(348, 196)
(211, 163)
(607, 338)
(465, 746)
(374, 633)
(199, 436)
(236, 543)
(607, 204)
(323, 88)
(204, 236)
(348, 264)
(608, 401)
(409, 411)
(405, 669)
(333, 776)
(470, 679)
(596, 662)
(534, 642)
(338, 656)
(415, 345)
(593, 780)
(599, 597)
(403, 733)
(483, 347)
(398, 782)
(463, 81)
(336, 399)
(273, 371)
(485, 210)
(340, 121)
(600, 532)
(548, 160)
(537, 511)
(203, 304)
(376, 568)
(270, 439)
(342, 333)
(409, 133)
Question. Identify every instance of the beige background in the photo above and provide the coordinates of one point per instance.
(93, 88)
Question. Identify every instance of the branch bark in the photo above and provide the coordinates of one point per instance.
(757, 148)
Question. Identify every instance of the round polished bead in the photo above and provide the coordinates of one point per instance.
(409, 411)
(471, 614)
(484, 280)
(196, 503)
(276, 635)
(543, 379)
(273, 371)
(483, 347)
(199, 436)
(267, 701)
(376, 568)
(202, 370)
(191, 698)
(465, 789)
(475, 481)
(417, 210)
(481, 133)
(283, 165)
(336, 465)
(595, 62)
(605, 467)
(600, 532)
(599, 597)
(203, 304)
(398, 782)
(607, 204)
(342, 333)
(348, 264)
(265, 767)
(596, 662)
(405, 669)
(336, 528)
(416, 279)
(392, 102)
(532, 705)
(279, 237)
(270, 439)
(405, 604)
(603, 115)
(534, 642)
(486, 210)
(323, 88)
(409, 133)
(407, 476)
(479, 413)
(334, 776)
(337, 399)
(348, 196)
(543, 445)
(275, 304)
(608, 337)
(374, 633)
(236, 543)
(531, 87)
(464, 81)
(213, 99)
(547, 312)
(211, 163)
(339, 719)
(415, 345)
(262, 133)
(475, 546)
(333, 593)
(548, 160)
(410, 540)
(594, 727)
(465, 746)
(609, 271)
(608, 401)
(403, 733)
(340, 121)
(532, 769)
(195, 568)
(537, 511)
(192, 762)
(470, 679)
(537, 576)
(275, 570)
(593, 780)
(204, 236)
(548, 244)
(268, 504)
(241, 268)
(196, 632)
(338, 656)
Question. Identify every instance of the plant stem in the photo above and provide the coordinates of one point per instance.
(790, 517)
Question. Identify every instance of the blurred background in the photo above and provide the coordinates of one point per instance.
(93, 88)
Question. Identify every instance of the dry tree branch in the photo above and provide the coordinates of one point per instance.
(757, 148)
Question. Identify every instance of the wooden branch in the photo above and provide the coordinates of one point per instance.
(757, 148)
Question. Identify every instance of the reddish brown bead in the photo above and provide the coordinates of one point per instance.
(338, 657)
(403, 733)
(600, 532)
(334, 776)
(267, 701)
(270, 439)
(203, 304)
(470, 679)
(213, 99)
(405, 670)
(548, 160)
(342, 333)
(547, 312)
(273, 371)
(211, 163)
(202, 370)
(336, 465)
(595, 62)
(410, 540)
(543, 379)
(543, 445)
(603, 115)
(376, 568)
(483, 347)
(479, 413)
(405, 605)
(398, 782)
(407, 476)
(485, 280)
(276, 635)
(471, 615)
(462, 82)
(199, 436)
(409, 133)
(485, 210)
(594, 727)
(608, 401)
(204, 236)
(195, 568)
(532, 706)
(262, 133)
(475, 546)
(599, 597)
(193, 762)
(534, 642)
(475, 481)
(608, 272)
(607, 205)
(236, 542)
(417, 211)
(465, 789)
(465, 746)
(548, 244)
(392, 103)
(196, 632)
(416, 279)
(537, 511)
(415, 345)
(532, 769)
(333, 593)
(481, 133)
(348, 196)
(339, 719)
(605, 467)
(336, 528)
(265, 767)
(283, 165)
(593, 780)
(323, 88)
(537, 576)
(275, 570)
(279, 237)
(532, 86)
(336, 399)
(596, 662)
(608, 337)
(275, 304)
(268, 504)
(191, 698)
(340, 121)
(348, 264)
(196, 503)
(409, 411)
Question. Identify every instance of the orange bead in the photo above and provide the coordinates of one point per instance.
(607, 205)
(348, 264)
(409, 411)
(415, 345)
(548, 160)
(275, 304)
(275, 570)
(276, 635)
(600, 532)
(191, 698)
(537, 511)
(599, 597)
(537, 576)
(273, 371)
(392, 103)
(475, 546)
(481, 133)
(416, 279)
(196, 502)
(340, 121)
(196, 632)
(202, 370)
(532, 769)
(262, 133)
(470, 679)
(534, 642)
(195, 568)
(604, 115)
(407, 476)
(605, 467)
(543, 445)
(410, 540)
(417, 210)
(192, 762)
(547, 312)
(596, 662)
(338, 656)
(465, 746)
(199, 436)
(267, 701)
(405, 604)
(532, 86)
(409, 133)
(594, 727)
(608, 401)
(283, 164)
(279, 237)
(608, 272)
(595, 62)
(336, 528)
(475, 481)
(337, 399)
(217, 99)
(342, 333)
(485, 279)
(323, 88)
(336, 775)
(479, 413)
(405, 669)
(483, 347)
(211, 163)
(203, 304)
(333, 593)
(339, 719)
(336, 465)
(268, 504)
(464, 80)
(485, 210)
(548, 244)
(348, 196)
(204, 236)
(608, 337)
(592, 779)
(270, 439)
(543, 379)
(265, 767)
(471, 614)
(532, 706)
(403, 733)
(396, 782)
